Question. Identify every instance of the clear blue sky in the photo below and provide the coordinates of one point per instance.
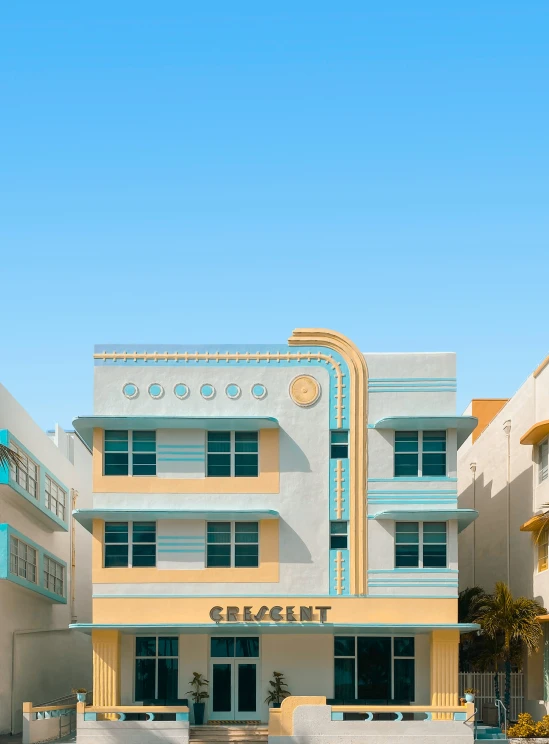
(179, 172)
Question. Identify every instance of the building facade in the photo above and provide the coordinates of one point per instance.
(286, 508)
(503, 474)
(41, 545)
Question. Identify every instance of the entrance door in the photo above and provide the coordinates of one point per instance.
(234, 679)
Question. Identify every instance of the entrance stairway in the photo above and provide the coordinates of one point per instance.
(490, 733)
(225, 734)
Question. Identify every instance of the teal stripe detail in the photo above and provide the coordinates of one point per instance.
(412, 390)
(411, 570)
(182, 538)
(180, 459)
(383, 492)
(376, 584)
(410, 379)
(180, 550)
(181, 446)
(417, 479)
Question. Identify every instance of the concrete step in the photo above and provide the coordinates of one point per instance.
(226, 734)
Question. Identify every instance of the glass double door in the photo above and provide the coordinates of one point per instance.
(234, 679)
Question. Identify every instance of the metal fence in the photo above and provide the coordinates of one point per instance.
(484, 683)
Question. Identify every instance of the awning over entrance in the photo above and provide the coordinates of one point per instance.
(86, 516)
(84, 425)
(231, 629)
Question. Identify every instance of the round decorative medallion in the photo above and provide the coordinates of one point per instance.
(207, 391)
(181, 391)
(304, 390)
(259, 391)
(232, 391)
(130, 390)
(156, 390)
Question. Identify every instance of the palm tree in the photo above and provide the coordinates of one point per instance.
(8, 457)
(514, 620)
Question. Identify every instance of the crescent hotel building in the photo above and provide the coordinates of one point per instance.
(288, 508)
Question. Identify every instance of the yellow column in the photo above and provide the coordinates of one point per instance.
(444, 668)
(106, 667)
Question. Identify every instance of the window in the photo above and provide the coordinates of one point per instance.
(339, 444)
(130, 452)
(338, 535)
(156, 668)
(22, 560)
(409, 445)
(376, 669)
(55, 498)
(543, 467)
(429, 536)
(543, 551)
(54, 576)
(232, 544)
(233, 453)
(25, 472)
(117, 552)
(228, 647)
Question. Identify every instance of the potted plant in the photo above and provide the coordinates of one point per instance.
(278, 690)
(198, 694)
(81, 693)
(470, 695)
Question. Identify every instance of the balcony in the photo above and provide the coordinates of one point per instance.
(33, 488)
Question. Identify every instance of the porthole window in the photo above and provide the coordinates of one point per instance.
(181, 391)
(156, 390)
(207, 391)
(233, 391)
(259, 391)
(130, 390)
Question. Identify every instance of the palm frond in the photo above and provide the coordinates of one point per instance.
(9, 457)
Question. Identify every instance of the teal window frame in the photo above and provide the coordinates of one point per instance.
(55, 498)
(156, 654)
(130, 452)
(54, 576)
(346, 651)
(136, 543)
(26, 473)
(232, 544)
(339, 535)
(421, 454)
(421, 545)
(23, 559)
(232, 454)
(339, 444)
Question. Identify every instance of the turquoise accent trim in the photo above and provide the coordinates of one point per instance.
(428, 716)
(180, 537)
(464, 517)
(463, 424)
(90, 716)
(411, 584)
(418, 492)
(345, 572)
(181, 390)
(380, 380)
(458, 717)
(411, 570)
(86, 516)
(129, 390)
(155, 390)
(39, 503)
(416, 479)
(84, 425)
(180, 550)
(181, 716)
(180, 459)
(258, 391)
(398, 716)
(344, 489)
(412, 390)
(6, 531)
(337, 716)
(181, 446)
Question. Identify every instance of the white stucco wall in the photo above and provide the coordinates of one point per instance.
(38, 675)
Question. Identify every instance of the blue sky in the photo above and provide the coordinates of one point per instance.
(180, 172)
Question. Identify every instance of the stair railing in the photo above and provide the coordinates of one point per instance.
(475, 722)
(502, 714)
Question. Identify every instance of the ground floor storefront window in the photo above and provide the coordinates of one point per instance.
(156, 667)
(375, 669)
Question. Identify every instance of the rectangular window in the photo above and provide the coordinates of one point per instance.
(56, 498)
(116, 453)
(407, 544)
(543, 460)
(25, 472)
(130, 452)
(117, 544)
(434, 453)
(54, 576)
(339, 445)
(232, 453)
(374, 669)
(156, 668)
(23, 560)
(420, 454)
(420, 545)
(232, 544)
(543, 542)
(406, 454)
(339, 535)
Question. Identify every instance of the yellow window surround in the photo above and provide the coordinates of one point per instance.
(268, 480)
(266, 572)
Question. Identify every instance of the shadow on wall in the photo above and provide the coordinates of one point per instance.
(300, 552)
(491, 534)
(292, 457)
